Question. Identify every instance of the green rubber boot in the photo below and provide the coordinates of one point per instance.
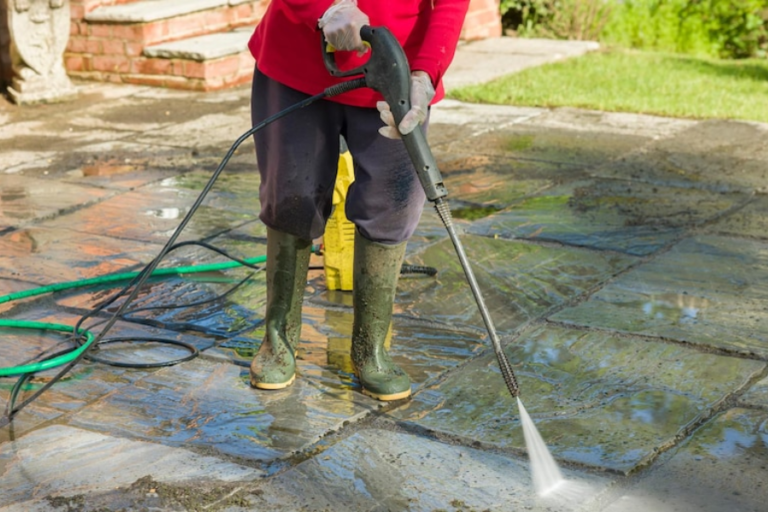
(376, 269)
(274, 366)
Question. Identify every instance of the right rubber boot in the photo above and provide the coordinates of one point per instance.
(376, 270)
(274, 365)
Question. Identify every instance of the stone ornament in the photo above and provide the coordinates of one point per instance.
(39, 32)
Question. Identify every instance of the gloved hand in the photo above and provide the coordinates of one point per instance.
(341, 25)
(422, 93)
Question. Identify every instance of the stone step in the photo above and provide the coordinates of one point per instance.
(126, 29)
(202, 48)
(204, 63)
(145, 11)
(157, 42)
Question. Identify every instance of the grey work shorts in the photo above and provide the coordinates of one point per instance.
(298, 159)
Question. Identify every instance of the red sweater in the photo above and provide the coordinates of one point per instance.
(286, 43)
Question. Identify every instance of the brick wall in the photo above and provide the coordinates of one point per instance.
(483, 20)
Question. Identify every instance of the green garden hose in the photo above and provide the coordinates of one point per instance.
(66, 358)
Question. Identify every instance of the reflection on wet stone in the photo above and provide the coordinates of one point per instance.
(635, 218)
(155, 215)
(579, 149)
(24, 199)
(498, 181)
(48, 256)
(722, 467)
(707, 290)
(586, 391)
(423, 350)
(519, 281)
(216, 304)
(382, 470)
(209, 404)
(59, 458)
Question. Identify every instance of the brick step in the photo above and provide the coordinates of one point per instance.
(119, 42)
(204, 63)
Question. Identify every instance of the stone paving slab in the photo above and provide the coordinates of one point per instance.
(45, 256)
(714, 155)
(215, 305)
(424, 350)
(17, 160)
(429, 231)
(27, 420)
(637, 126)
(750, 222)
(219, 303)
(706, 290)
(605, 399)
(519, 281)
(54, 135)
(114, 165)
(631, 217)
(497, 54)
(497, 181)
(598, 399)
(580, 149)
(142, 112)
(88, 381)
(61, 461)
(451, 120)
(217, 130)
(722, 467)
(383, 470)
(757, 396)
(153, 215)
(28, 199)
(210, 405)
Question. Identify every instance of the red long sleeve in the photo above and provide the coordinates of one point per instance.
(287, 48)
(441, 35)
(306, 11)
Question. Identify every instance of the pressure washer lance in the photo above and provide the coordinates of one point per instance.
(387, 71)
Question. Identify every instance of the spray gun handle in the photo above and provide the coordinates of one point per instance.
(387, 71)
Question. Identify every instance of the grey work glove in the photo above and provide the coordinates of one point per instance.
(341, 25)
(422, 93)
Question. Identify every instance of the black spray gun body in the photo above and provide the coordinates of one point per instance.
(387, 71)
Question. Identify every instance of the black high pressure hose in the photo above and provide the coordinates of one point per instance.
(140, 279)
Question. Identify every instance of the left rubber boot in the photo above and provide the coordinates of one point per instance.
(376, 270)
(274, 366)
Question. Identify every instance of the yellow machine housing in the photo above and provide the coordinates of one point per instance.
(339, 236)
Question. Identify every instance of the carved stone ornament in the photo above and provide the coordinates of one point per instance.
(39, 33)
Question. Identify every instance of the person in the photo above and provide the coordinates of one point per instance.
(298, 159)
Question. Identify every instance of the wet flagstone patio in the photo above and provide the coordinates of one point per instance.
(623, 259)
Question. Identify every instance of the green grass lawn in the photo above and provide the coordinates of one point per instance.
(633, 81)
